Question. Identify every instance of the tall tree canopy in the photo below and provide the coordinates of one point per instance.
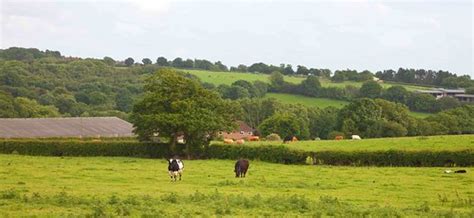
(174, 104)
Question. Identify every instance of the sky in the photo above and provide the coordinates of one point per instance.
(337, 34)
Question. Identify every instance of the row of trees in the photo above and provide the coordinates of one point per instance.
(414, 76)
(426, 77)
(415, 101)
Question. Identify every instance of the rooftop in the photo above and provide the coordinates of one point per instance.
(65, 127)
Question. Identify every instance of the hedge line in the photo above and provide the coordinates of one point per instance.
(269, 153)
(85, 148)
(280, 154)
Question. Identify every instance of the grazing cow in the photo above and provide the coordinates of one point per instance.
(288, 139)
(253, 138)
(241, 167)
(356, 137)
(228, 141)
(240, 141)
(339, 137)
(175, 168)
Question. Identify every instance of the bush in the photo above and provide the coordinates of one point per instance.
(268, 153)
(87, 148)
(273, 137)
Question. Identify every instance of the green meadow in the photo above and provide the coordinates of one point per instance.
(321, 102)
(419, 143)
(105, 186)
(228, 78)
(307, 101)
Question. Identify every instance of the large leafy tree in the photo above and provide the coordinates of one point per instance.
(129, 62)
(359, 116)
(310, 86)
(396, 94)
(371, 89)
(174, 104)
(283, 124)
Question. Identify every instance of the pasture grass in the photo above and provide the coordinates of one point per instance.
(307, 101)
(104, 186)
(228, 78)
(419, 143)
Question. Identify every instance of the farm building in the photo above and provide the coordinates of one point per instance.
(243, 131)
(459, 94)
(65, 127)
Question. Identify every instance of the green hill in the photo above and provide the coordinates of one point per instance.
(228, 78)
(307, 101)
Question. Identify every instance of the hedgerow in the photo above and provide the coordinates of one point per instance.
(268, 153)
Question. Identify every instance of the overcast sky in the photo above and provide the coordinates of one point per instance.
(373, 35)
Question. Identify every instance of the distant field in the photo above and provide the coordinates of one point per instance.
(228, 78)
(432, 143)
(105, 186)
(419, 114)
(321, 102)
(307, 101)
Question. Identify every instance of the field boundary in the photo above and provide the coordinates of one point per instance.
(268, 153)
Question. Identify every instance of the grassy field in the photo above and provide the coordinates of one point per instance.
(54, 186)
(307, 101)
(433, 143)
(321, 102)
(228, 78)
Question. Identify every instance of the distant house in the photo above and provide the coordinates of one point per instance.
(243, 131)
(459, 94)
(65, 127)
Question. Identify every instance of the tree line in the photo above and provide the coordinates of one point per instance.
(404, 75)
(90, 87)
(174, 104)
(311, 87)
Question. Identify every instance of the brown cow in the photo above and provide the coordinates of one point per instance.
(228, 141)
(241, 167)
(339, 137)
(253, 138)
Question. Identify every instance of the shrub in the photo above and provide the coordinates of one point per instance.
(268, 153)
(273, 137)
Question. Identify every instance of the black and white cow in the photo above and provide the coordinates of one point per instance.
(175, 168)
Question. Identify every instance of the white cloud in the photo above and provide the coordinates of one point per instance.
(152, 6)
(129, 29)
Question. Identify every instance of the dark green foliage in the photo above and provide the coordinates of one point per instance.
(357, 117)
(370, 89)
(351, 75)
(421, 102)
(285, 124)
(129, 62)
(173, 104)
(162, 61)
(446, 103)
(426, 77)
(109, 61)
(146, 61)
(269, 153)
(396, 94)
(85, 148)
(310, 86)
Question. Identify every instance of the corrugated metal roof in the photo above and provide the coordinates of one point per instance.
(65, 127)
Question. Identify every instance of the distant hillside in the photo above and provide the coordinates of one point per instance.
(220, 77)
